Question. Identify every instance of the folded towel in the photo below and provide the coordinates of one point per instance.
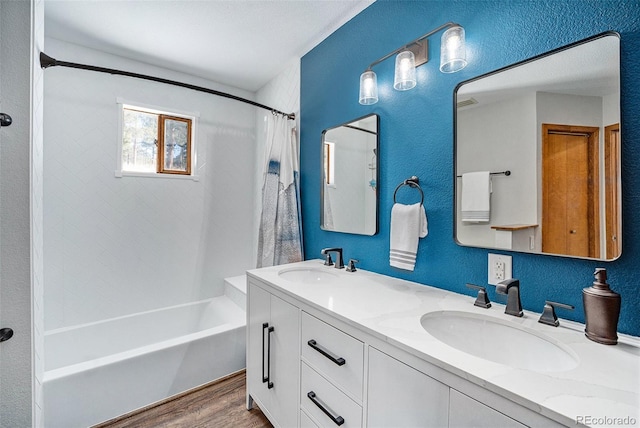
(476, 196)
(408, 223)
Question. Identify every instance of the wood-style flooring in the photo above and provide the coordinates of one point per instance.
(218, 404)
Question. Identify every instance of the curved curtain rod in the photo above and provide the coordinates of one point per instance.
(46, 61)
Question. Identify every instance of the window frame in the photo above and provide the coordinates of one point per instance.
(329, 154)
(163, 114)
(160, 169)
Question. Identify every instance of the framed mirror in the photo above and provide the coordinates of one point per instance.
(349, 182)
(537, 154)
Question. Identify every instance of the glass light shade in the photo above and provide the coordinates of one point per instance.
(368, 88)
(405, 76)
(452, 50)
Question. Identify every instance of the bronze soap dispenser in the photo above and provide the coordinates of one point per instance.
(601, 310)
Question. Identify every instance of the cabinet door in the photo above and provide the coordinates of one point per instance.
(273, 350)
(258, 313)
(400, 396)
(466, 412)
(285, 361)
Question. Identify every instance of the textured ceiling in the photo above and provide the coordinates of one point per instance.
(241, 43)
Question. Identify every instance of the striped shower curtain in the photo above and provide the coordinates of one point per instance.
(280, 233)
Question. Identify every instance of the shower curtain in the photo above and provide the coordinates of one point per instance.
(280, 233)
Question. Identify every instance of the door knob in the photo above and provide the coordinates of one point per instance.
(572, 231)
(5, 119)
(5, 334)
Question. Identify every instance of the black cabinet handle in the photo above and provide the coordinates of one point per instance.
(338, 360)
(338, 420)
(269, 383)
(264, 327)
(265, 379)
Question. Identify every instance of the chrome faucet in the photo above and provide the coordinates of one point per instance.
(511, 287)
(328, 262)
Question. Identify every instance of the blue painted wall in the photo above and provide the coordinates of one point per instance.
(416, 136)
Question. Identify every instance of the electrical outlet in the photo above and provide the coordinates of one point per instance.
(499, 268)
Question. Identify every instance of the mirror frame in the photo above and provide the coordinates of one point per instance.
(455, 178)
(377, 175)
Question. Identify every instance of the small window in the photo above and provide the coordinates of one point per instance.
(156, 142)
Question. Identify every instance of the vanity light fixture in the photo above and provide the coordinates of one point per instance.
(414, 54)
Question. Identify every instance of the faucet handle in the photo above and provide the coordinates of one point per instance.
(549, 314)
(482, 300)
(327, 260)
(352, 265)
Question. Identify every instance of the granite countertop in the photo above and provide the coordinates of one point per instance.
(602, 390)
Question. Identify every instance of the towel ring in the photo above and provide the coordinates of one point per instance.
(411, 182)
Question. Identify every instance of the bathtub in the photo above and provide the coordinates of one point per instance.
(97, 371)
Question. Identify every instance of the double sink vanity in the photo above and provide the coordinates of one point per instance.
(328, 347)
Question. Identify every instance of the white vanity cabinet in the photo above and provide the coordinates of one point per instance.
(400, 396)
(328, 370)
(273, 362)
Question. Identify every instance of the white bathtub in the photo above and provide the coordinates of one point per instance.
(97, 371)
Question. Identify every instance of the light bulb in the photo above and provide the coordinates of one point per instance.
(453, 42)
(405, 73)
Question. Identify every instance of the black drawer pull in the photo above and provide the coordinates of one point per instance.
(338, 360)
(338, 420)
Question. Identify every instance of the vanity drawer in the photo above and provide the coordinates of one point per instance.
(335, 354)
(305, 420)
(317, 393)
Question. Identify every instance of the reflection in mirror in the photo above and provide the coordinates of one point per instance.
(349, 193)
(554, 123)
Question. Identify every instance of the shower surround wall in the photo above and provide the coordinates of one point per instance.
(115, 246)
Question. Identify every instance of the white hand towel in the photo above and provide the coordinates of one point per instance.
(408, 223)
(476, 197)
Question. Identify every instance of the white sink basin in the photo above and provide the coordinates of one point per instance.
(499, 341)
(307, 275)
